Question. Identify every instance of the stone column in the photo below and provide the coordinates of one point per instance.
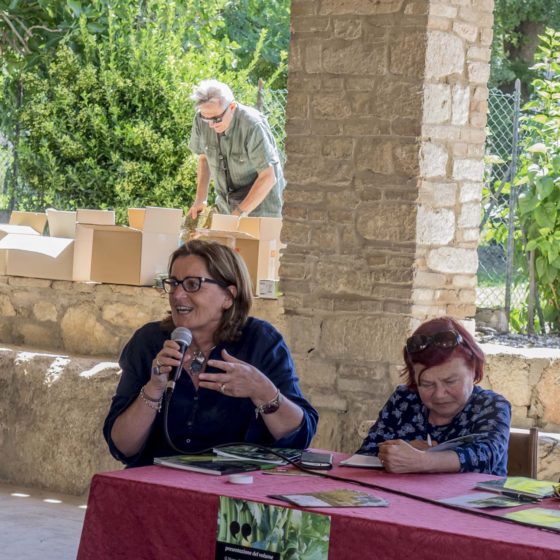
(386, 116)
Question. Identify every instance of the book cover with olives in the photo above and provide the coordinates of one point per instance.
(254, 530)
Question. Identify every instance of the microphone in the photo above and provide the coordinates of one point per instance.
(183, 337)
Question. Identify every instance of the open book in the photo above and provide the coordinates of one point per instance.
(454, 443)
(252, 453)
(208, 464)
(519, 486)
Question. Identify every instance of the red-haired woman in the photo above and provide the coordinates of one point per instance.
(441, 401)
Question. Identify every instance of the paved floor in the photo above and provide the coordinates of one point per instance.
(39, 525)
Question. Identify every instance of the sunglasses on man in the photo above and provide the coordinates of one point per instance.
(214, 120)
(444, 339)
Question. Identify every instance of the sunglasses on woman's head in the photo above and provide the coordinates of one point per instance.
(443, 339)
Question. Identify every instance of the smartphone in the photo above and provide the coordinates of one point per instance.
(313, 460)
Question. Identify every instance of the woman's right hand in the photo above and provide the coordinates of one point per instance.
(166, 359)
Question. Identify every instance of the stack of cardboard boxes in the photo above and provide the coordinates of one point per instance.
(86, 245)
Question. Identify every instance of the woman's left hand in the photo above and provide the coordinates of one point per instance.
(239, 379)
(398, 456)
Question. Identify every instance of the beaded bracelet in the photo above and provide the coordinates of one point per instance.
(154, 404)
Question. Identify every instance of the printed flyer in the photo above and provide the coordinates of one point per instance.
(251, 530)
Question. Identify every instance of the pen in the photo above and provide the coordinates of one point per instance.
(520, 497)
(429, 440)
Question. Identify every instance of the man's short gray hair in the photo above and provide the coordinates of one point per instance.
(212, 90)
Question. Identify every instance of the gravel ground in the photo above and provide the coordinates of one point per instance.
(515, 340)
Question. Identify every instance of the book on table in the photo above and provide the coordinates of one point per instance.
(332, 498)
(513, 486)
(362, 461)
(254, 453)
(209, 464)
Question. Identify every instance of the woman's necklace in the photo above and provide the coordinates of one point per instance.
(198, 361)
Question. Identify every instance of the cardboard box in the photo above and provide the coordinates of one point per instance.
(37, 256)
(9, 229)
(128, 255)
(257, 240)
(35, 220)
(49, 257)
(62, 223)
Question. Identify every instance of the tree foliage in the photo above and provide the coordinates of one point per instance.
(95, 96)
(517, 24)
(539, 176)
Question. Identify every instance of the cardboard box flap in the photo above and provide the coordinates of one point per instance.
(6, 229)
(48, 246)
(62, 223)
(156, 220)
(100, 217)
(260, 228)
(224, 234)
(35, 220)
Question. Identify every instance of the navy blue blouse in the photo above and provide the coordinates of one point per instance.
(202, 419)
(405, 417)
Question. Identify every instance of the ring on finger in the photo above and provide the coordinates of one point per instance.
(223, 387)
(155, 370)
(158, 363)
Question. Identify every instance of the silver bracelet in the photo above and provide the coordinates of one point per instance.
(154, 404)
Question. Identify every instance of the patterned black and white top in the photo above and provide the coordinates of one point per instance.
(405, 417)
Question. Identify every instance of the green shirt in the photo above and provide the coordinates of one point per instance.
(249, 147)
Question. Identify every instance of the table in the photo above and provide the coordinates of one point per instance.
(154, 512)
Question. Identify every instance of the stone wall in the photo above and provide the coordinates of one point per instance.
(385, 138)
(86, 319)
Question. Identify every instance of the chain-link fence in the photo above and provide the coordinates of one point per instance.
(499, 283)
(272, 103)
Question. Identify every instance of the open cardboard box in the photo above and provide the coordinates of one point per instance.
(128, 255)
(10, 229)
(257, 240)
(37, 256)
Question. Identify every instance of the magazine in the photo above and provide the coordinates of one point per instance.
(363, 461)
(208, 464)
(541, 517)
(252, 453)
(333, 498)
(454, 443)
(519, 486)
(484, 500)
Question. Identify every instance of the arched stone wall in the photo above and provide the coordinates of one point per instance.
(386, 116)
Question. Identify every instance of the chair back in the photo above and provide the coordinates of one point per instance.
(523, 452)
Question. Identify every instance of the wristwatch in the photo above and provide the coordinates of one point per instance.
(271, 406)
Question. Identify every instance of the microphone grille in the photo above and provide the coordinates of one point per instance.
(182, 334)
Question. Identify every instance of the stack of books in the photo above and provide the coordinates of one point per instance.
(231, 460)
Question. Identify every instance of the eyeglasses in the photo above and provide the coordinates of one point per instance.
(443, 339)
(190, 283)
(214, 120)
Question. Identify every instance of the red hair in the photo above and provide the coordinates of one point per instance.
(432, 356)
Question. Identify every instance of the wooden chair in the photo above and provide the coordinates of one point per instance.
(523, 452)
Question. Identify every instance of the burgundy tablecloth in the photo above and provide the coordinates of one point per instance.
(154, 513)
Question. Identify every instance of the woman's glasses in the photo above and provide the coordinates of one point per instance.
(443, 339)
(190, 283)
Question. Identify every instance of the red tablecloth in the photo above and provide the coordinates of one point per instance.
(156, 512)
